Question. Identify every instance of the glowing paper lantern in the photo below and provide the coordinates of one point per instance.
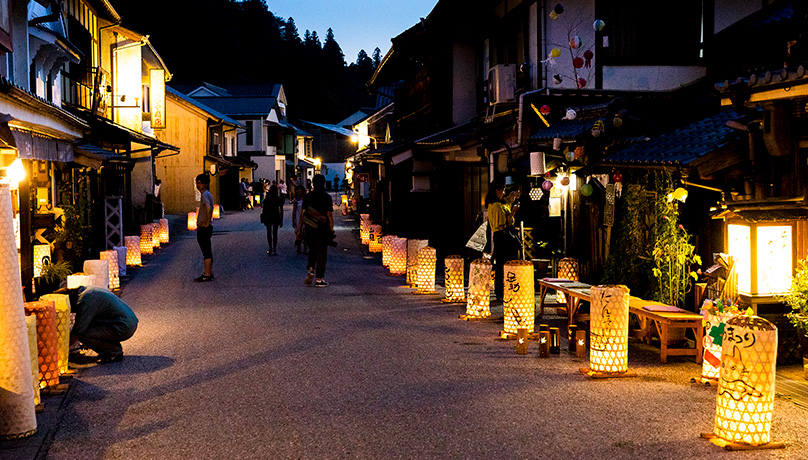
(111, 256)
(46, 341)
(746, 384)
(30, 323)
(608, 343)
(578, 62)
(547, 185)
(375, 238)
(42, 257)
(217, 213)
(386, 250)
(364, 228)
(426, 271)
(155, 233)
(714, 326)
(479, 297)
(413, 246)
(133, 250)
(61, 303)
(537, 165)
(16, 395)
(163, 231)
(519, 300)
(146, 240)
(536, 193)
(192, 221)
(587, 190)
(545, 109)
(398, 256)
(567, 269)
(100, 271)
(77, 280)
(121, 250)
(454, 279)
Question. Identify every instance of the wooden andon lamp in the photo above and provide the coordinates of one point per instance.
(133, 251)
(454, 279)
(519, 299)
(192, 221)
(398, 256)
(479, 297)
(426, 271)
(608, 342)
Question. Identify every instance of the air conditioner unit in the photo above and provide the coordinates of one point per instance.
(501, 83)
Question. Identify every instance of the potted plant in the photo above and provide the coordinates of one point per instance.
(51, 276)
(797, 299)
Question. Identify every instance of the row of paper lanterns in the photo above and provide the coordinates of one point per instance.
(217, 214)
(748, 350)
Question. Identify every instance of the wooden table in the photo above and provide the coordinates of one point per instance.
(664, 321)
(575, 292)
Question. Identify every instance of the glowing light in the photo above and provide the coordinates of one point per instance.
(519, 300)
(455, 289)
(608, 347)
(479, 296)
(15, 173)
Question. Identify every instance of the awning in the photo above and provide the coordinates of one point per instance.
(32, 146)
(241, 162)
(94, 156)
(106, 130)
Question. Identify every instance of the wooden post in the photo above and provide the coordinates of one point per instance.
(544, 344)
(580, 344)
(555, 341)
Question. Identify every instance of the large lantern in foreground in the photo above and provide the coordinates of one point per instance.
(426, 271)
(478, 300)
(567, 269)
(454, 279)
(62, 304)
(46, 337)
(608, 336)
(413, 246)
(519, 298)
(111, 256)
(192, 221)
(375, 238)
(398, 256)
(133, 250)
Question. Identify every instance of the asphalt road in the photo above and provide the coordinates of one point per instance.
(255, 365)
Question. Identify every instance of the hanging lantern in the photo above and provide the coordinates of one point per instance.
(587, 189)
(413, 246)
(133, 250)
(192, 221)
(545, 109)
(553, 15)
(42, 258)
(479, 296)
(598, 25)
(679, 194)
(746, 384)
(536, 193)
(216, 214)
(454, 279)
(547, 185)
(537, 166)
(111, 257)
(33, 353)
(715, 319)
(565, 181)
(576, 42)
(100, 271)
(570, 115)
(588, 55)
(557, 79)
(425, 283)
(163, 231)
(580, 151)
(568, 270)
(375, 239)
(46, 339)
(617, 177)
(578, 63)
(555, 52)
(77, 280)
(386, 240)
(519, 299)
(558, 9)
(146, 241)
(581, 83)
(61, 303)
(608, 347)
(398, 256)
(121, 250)
(569, 155)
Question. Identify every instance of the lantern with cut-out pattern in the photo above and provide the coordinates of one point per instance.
(146, 240)
(454, 279)
(100, 271)
(426, 271)
(133, 251)
(567, 269)
(519, 299)
(478, 300)
(111, 256)
(46, 337)
(386, 250)
(163, 231)
(375, 239)
(398, 256)
(608, 334)
(61, 303)
(413, 246)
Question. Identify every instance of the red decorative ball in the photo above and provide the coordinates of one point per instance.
(577, 63)
(617, 177)
(588, 54)
(545, 109)
(581, 83)
(565, 181)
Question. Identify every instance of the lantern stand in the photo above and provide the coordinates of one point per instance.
(608, 341)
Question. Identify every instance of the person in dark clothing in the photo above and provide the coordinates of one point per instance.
(501, 210)
(102, 322)
(272, 217)
(318, 219)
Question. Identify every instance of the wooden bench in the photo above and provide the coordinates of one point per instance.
(664, 321)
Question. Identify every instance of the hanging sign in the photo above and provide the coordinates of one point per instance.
(157, 90)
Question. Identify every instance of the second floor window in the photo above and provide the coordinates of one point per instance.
(249, 133)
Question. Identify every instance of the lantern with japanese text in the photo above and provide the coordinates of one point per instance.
(42, 257)
(61, 303)
(46, 337)
(413, 246)
(375, 238)
(567, 269)
(398, 256)
(454, 279)
(111, 256)
(715, 316)
(608, 341)
(76, 280)
(133, 250)
(426, 271)
(746, 383)
(478, 299)
(386, 239)
(163, 231)
(519, 299)
(192, 221)
(146, 241)
(100, 271)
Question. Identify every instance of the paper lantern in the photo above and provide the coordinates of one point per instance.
(557, 79)
(571, 114)
(100, 271)
(555, 52)
(133, 250)
(426, 271)
(568, 270)
(146, 241)
(398, 256)
(580, 151)
(413, 246)
(581, 83)
(111, 256)
(553, 15)
(578, 62)
(536, 193)
(545, 109)
(46, 341)
(714, 326)
(519, 299)
(192, 221)
(558, 9)
(537, 165)
(16, 395)
(344, 199)
(364, 228)
(587, 190)
(454, 279)
(479, 296)
(155, 233)
(375, 239)
(163, 231)
(30, 323)
(121, 250)
(217, 213)
(547, 185)
(746, 384)
(61, 303)
(608, 342)
(576, 42)
(386, 240)
(76, 280)
(42, 257)
(598, 25)
(588, 55)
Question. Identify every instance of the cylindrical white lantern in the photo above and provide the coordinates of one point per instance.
(42, 257)
(426, 271)
(567, 269)
(111, 256)
(155, 235)
(519, 298)
(364, 228)
(146, 240)
(375, 238)
(100, 271)
(608, 337)
(16, 392)
(537, 166)
(715, 320)
(386, 239)
(133, 250)
(164, 231)
(77, 280)
(192, 221)
(746, 384)
(454, 279)
(121, 250)
(413, 246)
(398, 256)
(479, 297)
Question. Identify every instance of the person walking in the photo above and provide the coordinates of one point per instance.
(500, 218)
(272, 217)
(297, 207)
(204, 226)
(282, 190)
(317, 222)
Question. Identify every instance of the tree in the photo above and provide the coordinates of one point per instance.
(377, 58)
(364, 65)
(290, 34)
(332, 52)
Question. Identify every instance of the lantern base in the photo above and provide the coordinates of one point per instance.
(55, 390)
(607, 375)
(11, 437)
(476, 318)
(395, 274)
(463, 300)
(704, 381)
(425, 293)
(512, 335)
(39, 408)
(728, 445)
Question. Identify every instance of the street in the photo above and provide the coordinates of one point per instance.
(256, 365)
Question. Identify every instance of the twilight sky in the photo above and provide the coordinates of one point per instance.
(357, 24)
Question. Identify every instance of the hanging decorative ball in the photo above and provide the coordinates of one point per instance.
(581, 83)
(579, 152)
(577, 63)
(557, 79)
(555, 52)
(547, 185)
(575, 42)
(570, 155)
(599, 125)
(565, 181)
(588, 55)
(558, 9)
(547, 174)
(545, 109)
(571, 114)
(587, 189)
(598, 25)
(617, 177)
(553, 15)
(617, 122)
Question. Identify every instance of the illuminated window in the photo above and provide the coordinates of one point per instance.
(763, 256)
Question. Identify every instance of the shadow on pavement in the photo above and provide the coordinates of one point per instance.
(131, 364)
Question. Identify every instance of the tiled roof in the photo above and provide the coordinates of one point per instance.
(565, 129)
(202, 106)
(334, 128)
(683, 145)
(235, 106)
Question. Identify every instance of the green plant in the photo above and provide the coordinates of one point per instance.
(56, 271)
(797, 298)
(72, 232)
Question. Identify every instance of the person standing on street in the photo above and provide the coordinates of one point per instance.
(204, 226)
(282, 191)
(272, 217)
(501, 210)
(317, 217)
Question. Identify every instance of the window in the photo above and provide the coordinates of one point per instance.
(249, 134)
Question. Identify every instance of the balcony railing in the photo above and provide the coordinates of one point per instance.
(79, 92)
